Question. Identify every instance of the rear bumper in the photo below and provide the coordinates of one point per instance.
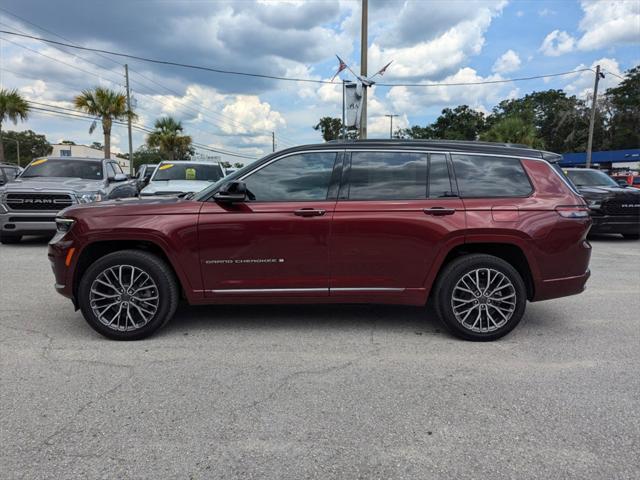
(615, 224)
(561, 287)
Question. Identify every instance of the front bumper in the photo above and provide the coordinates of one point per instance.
(615, 224)
(28, 223)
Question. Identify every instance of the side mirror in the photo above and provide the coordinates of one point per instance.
(231, 192)
(119, 177)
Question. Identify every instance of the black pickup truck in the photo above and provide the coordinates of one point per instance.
(614, 208)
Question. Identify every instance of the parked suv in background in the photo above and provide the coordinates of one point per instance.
(28, 206)
(614, 208)
(477, 228)
(178, 177)
(143, 175)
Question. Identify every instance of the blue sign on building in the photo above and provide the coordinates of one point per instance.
(609, 156)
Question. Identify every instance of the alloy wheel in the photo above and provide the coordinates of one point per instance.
(483, 300)
(124, 298)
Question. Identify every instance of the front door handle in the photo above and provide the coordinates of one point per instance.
(439, 211)
(309, 212)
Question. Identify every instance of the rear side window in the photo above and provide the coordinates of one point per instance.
(388, 176)
(487, 176)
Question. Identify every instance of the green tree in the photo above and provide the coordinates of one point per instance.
(560, 121)
(168, 139)
(32, 145)
(331, 129)
(513, 130)
(624, 112)
(106, 104)
(238, 165)
(145, 155)
(460, 123)
(12, 107)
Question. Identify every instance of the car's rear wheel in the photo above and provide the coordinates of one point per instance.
(128, 295)
(9, 238)
(480, 297)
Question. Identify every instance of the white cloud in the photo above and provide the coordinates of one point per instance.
(605, 24)
(557, 43)
(519, 13)
(509, 61)
(418, 100)
(439, 55)
(581, 83)
(545, 12)
(249, 110)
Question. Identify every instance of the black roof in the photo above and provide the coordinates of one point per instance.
(441, 145)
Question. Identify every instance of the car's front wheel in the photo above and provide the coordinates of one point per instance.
(480, 297)
(128, 295)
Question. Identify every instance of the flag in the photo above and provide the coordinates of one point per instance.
(341, 67)
(383, 69)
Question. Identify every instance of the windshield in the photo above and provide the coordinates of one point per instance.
(89, 170)
(188, 171)
(591, 178)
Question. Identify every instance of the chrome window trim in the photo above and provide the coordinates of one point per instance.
(330, 150)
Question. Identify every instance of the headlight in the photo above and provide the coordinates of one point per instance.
(63, 225)
(90, 197)
(594, 203)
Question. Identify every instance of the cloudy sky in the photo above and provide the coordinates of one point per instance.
(431, 41)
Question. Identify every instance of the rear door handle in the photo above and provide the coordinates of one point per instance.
(309, 212)
(439, 211)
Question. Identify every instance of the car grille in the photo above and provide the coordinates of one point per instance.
(621, 206)
(41, 202)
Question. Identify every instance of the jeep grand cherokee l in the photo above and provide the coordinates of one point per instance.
(477, 228)
(28, 205)
(613, 208)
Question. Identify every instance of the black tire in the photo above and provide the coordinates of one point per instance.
(631, 236)
(160, 274)
(9, 238)
(483, 306)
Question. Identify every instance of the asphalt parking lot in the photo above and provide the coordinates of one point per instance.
(322, 392)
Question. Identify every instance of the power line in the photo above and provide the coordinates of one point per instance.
(73, 45)
(290, 79)
(67, 112)
(485, 82)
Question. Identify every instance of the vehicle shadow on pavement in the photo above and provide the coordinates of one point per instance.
(609, 238)
(419, 320)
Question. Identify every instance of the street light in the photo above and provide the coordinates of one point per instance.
(17, 147)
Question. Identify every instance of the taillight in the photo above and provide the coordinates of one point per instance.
(573, 211)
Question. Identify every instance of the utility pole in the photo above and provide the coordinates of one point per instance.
(273, 141)
(126, 77)
(363, 67)
(592, 121)
(391, 124)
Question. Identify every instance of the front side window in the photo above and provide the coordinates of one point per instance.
(388, 176)
(488, 176)
(89, 170)
(300, 177)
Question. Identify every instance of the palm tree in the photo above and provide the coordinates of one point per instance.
(12, 107)
(167, 137)
(107, 104)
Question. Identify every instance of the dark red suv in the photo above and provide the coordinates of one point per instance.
(477, 228)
